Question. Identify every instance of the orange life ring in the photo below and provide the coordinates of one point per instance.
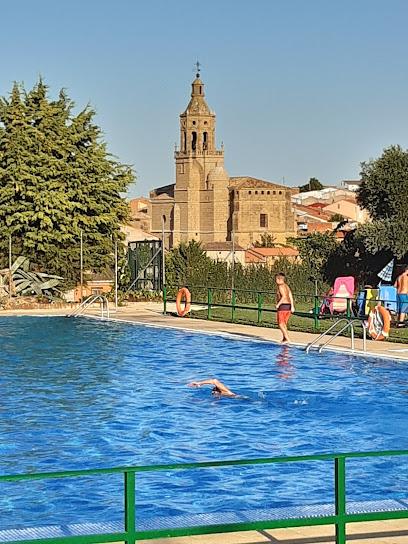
(187, 303)
(375, 329)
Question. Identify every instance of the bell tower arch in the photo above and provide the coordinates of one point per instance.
(196, 157)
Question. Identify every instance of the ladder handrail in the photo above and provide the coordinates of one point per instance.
(349, 323)
(87, 302)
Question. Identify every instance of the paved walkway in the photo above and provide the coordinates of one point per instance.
(379, 532)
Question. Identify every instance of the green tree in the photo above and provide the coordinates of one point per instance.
(267, 240)
(337, 218)
(384, 194)
(315, 250)
(188, 264)
(313, 185)
(57, 180)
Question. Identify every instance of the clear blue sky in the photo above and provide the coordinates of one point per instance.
(301, 88)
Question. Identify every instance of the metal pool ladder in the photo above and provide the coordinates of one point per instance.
(87, 302)
(349, 323)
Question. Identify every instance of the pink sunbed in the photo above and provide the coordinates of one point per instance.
(343, 287)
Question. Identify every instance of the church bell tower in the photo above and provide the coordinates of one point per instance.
(196, 157)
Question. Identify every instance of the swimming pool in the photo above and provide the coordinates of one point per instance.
(83, 394)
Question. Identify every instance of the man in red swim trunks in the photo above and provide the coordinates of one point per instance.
(285, 306)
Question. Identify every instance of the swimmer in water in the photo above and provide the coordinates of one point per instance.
(219, 388)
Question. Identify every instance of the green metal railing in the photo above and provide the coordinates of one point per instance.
(258, 306)
(130, 534)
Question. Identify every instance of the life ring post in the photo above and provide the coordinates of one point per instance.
(184, 292)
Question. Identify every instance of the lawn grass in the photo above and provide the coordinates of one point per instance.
(302, 320)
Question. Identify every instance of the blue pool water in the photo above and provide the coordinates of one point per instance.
(82, 393)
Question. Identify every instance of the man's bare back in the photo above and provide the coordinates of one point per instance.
(401, 284)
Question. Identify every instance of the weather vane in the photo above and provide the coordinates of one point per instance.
(198, 66)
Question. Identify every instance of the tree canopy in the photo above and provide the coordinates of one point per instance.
(57, 180)
(315, 250)
(384, 193)
(313, 185)
(267, 240)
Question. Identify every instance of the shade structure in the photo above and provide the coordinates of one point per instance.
(386, 273)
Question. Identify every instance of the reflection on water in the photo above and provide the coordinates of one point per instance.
(286, 369)
(84, 394)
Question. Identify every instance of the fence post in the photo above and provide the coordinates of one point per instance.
(233, 304)
(209, 302)
(316, 312)
(130, 507)
(340, 498)
(164, 299)
(259, 307)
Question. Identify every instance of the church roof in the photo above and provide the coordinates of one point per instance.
(248, 182)
(163, 196)
(197, 104)
(218, 173)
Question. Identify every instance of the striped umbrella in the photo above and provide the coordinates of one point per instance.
(386, 273)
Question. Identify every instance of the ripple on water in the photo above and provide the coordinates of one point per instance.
(86, 394)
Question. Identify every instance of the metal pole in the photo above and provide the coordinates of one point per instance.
(10, 259)
(116, 275)
(82, 268)
(233, 261)
(163, 257)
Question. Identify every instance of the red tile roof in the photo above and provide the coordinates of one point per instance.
(276, 251)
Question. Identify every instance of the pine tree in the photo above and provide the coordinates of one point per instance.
(56, 180)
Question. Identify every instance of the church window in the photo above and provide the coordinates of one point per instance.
(194, 122)
(205, 123)
(193, 141)
(205, 141)
(263, 220)
(256, 192)
(201, 89)
(249, 192)
(268, 192)
(280, 192)
(274, 192)
(262, 192)
(181, 169)
(184, 142)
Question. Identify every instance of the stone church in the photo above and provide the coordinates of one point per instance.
(205, 204)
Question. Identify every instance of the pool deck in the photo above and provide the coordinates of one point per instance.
(378, 532)
(151, 313)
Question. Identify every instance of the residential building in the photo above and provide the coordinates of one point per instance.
(223, 251)
(350, 185)
(268, 255)
(348, 209)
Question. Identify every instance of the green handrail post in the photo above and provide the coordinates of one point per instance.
(316, 312)
(233, 304)
(348, 307)
(164, 299)
(130, 507)
(340, 499)
(259, 307)
(209, 302)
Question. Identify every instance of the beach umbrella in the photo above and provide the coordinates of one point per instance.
(386, 273)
